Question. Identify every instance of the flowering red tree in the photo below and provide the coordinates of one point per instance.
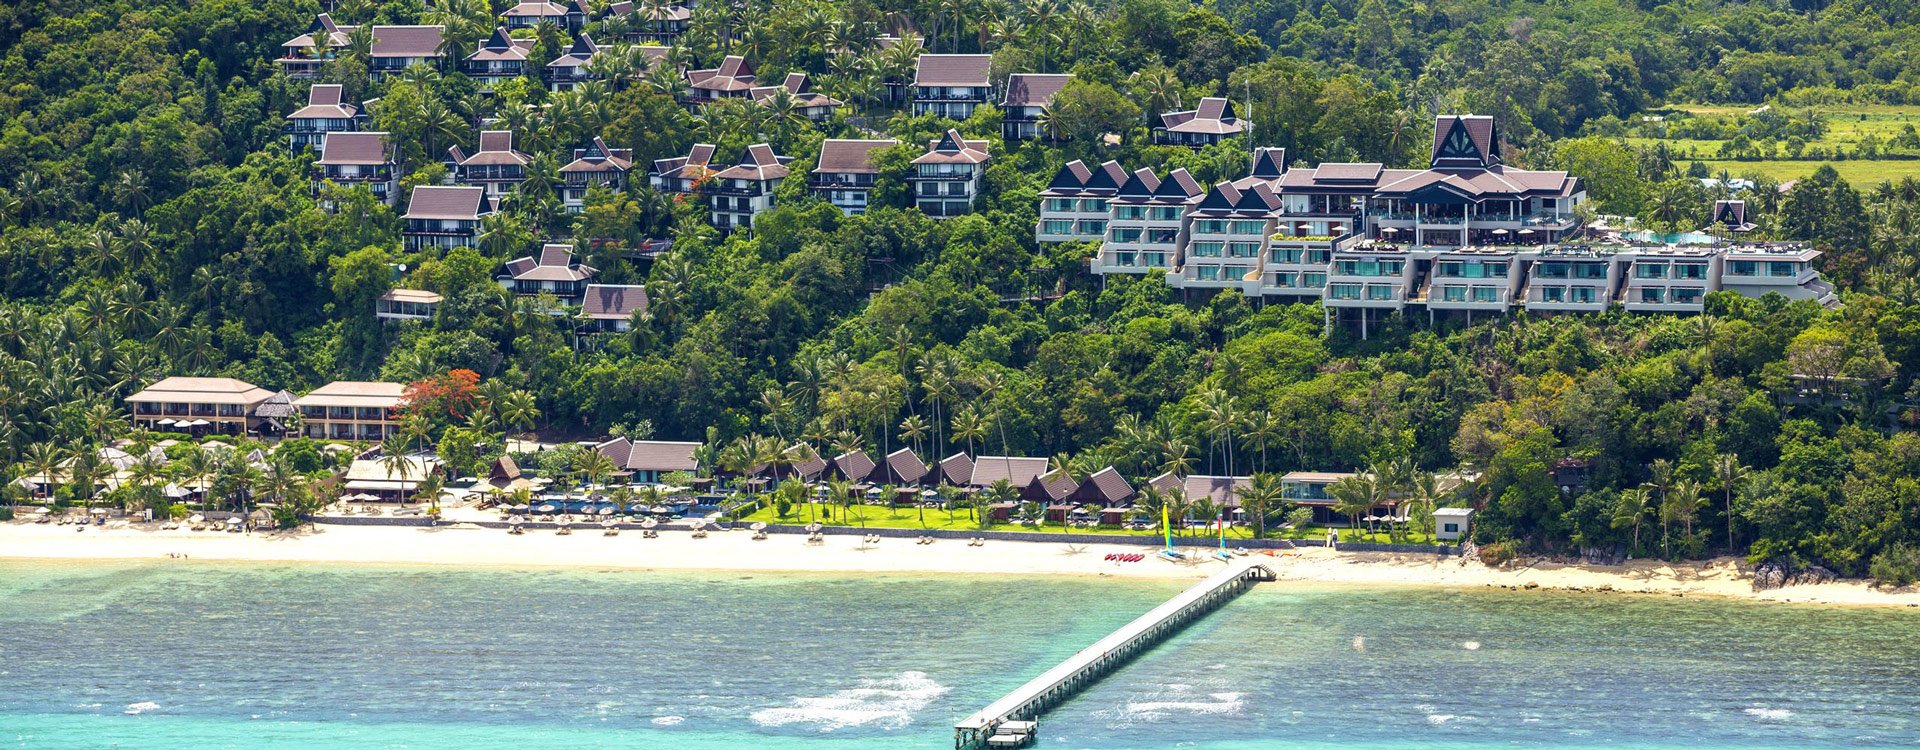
(451, 396)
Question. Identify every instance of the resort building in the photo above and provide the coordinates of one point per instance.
(570, 68)
(900, 468)
(844, 173)
(646, 22)
(396, 48)
(397, 481)
(303, 55)
(406, 304)
(732, 80)
(1450, 524)
(1073, 208)
(527, 15)
(444, 216)
(1145, 218)
(1053, 491)
(683, 174)
(740, 192)
(554, 270)
(952, 86)
(1730, 218)
(1017, 470)
(221, 406)
(811, 105)
(609, 308)
(947, 178)
(853, 466)
(647, 461)
(499, 58)
(594, 165)
(1109, 490)
(497, 166)
(357, 159)
(1212, 122)
(1027, 99)
(1222, 492)
(351, 410)
(325, 113)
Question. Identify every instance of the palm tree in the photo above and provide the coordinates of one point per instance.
(1660, 484)
(1631, 510)
(913, 429)
(1425, 496)
(1729, 473)
(1354, 496)
(1178, 457)
(1263, 496)
(969, 425)
(1156, 90)
(1682, 503)
(394, 459)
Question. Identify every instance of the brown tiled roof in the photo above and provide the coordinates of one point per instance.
(597, 157)
(406, 41)
(849, 156)
(809, 468)
(1480, 131)
(496, 147)
(953, 70)
(734, 74)
(322, 31)
(1213, 116)
(1218, 489)
(500, 46)
(1269, 162)
(700, 156)
(1166, 484)
(613, 301)
(952, 149)
(759, 163)
(445, 202)
(582, 50)
(554, 262)
(1346, 173)
(1034, 89)
(901, 467)
(201, 391)
(1017, 470)
(956, 469)
(536, 10)
(323, 101)
(410, 295)
(1140, 184)
(1104, 486)
(1179, 186)
(1053, 486)
(650, 455)
(355, 393)
(854, 466)
(355, 148)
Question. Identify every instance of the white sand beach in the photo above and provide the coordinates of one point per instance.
(466, 545)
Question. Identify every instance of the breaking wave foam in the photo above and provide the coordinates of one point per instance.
(888, 703)
(1770, 714)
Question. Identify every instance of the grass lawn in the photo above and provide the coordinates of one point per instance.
(1861, 174)
(882, 517)
(1846, 126)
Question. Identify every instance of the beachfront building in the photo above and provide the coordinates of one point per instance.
(499, 58)
(609, 308)
(647, 461)
(1110, 491)
(1210, 123)
(844, 173)
(554, 270)
(1024, 107)
(444, 216)
(199, 406)
(947, 178)
(397, 480)
(351, 410)
(733, 79)
(1145, 219)
(325, 113)
(682, 175)
(1073, 207)
(952, 86)
(740, 192)
(363, 159)
(406, 304)
(595, 165)
(1450, 524)
(901, 468)
(497, 166)
(1221, 491)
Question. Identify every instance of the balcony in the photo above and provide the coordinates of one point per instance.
(1467, 297)
(754, 190)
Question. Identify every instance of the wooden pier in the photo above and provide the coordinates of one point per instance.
(1012, 720)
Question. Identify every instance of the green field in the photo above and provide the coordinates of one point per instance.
(882, 517)
(1846, 126)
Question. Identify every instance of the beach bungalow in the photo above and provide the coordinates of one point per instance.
(497, 166)
(952, 86)
(609, 308)
(1211, 122)
(844, 173)
(646, 461)
(1017, 470)
(504, 476)
(853, 466)
(394, 482)
(1451, 524)
(570, 68)
(275, 414)
(348, 159)
(199, 406)
(1105, 488)
(1028, 97)
(527, 15)
(1052, 490)
(947, 178)
(351, 410)
(732, 80)
(595, 165)
(955, 470)
(406, 304)
(554, 270)
(325, 113)
(648, 22)
(396, 48)
(800, 462)
(902, 468)
(444, 217)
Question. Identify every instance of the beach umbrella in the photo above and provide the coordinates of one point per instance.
(564, 520)
(606, 510)
(698, 524)
(233, 520)
(606, 523)
(197, 518)
(164, 422)
(1389, 230)
(813, 527)
(545, 508)
(758, 526)
(649, 523)
(1499, 231)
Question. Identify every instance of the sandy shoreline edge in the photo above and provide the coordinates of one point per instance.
(469, 546)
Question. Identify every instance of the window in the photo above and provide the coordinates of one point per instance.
(1645, 270)
(1093, 206)
(1243, 249)
(1125, 259)
(1782, 268)
(1590, 270)
(1207, 273)
(1126, 235)
(1157, 260)
(1584, 294)
(1553, 294)
(1694, 271)
(1059, 205)
(1163, 236)
(1379, 292)
(1129, 213)
(1056, 226)
(1486, 294)
(1249, 227)
(1744, 268)
(1093, 227)
(1551, 271)
(1206, 249)
(1451, 528)
(1688, 295)
(1343, 291)
(1653, 294)
(1313, 280)
(1285, 280)
(1368, 267)
(1164, 213)
(1210, 226)
(1285, 255)
(1453, 294)
(1318, 257)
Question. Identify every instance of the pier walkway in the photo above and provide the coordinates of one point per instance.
(1010, 721)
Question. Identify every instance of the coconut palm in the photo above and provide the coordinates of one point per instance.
(1356, 495)
(1728, 472)
(1262, 497)
(1660, 484)
(913, 429)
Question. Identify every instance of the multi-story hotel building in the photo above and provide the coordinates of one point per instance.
(1145, 222)
(1073, 208)
(350, 410)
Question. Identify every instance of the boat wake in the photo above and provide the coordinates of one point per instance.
(888, 703)
(1177, 701)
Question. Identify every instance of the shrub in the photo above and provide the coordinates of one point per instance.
(1497, 554)
(1897, 566)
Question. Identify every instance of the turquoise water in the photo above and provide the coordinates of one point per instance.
(196, 655)
(1676, 238)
